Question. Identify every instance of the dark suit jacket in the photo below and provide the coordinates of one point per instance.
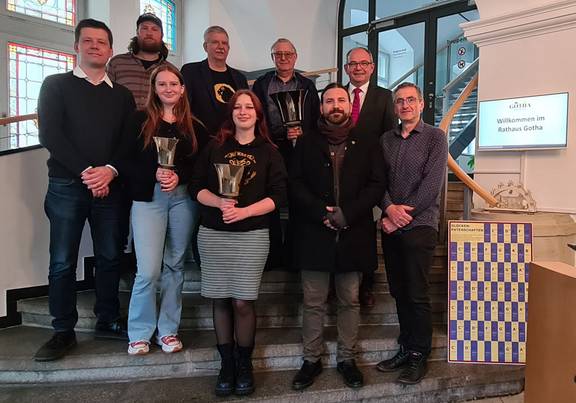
(311, 109)
(377, 113)
(362, 185)
(198, 82)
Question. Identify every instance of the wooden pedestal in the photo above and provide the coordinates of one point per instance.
(551, 343)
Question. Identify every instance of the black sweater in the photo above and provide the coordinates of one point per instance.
(138, 166)
(264, 176)
(81, 124)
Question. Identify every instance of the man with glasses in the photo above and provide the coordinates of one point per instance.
(416, 154)
(373, 114)
(285, 78)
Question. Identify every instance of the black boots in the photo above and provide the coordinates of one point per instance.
(227, 375)
(244, 376)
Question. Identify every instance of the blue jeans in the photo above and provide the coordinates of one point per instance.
(162, 232)
(68, 204)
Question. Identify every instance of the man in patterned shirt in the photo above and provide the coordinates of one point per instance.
(416, 155)
(147, 51)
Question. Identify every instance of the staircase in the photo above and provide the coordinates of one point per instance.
(277, 355)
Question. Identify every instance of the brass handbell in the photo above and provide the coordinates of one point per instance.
(166, 147)
(229, 178)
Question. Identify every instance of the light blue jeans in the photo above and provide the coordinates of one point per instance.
(162, 232)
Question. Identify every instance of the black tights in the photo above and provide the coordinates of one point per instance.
(234, 317)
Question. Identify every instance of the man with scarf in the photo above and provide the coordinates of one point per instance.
(337, 176)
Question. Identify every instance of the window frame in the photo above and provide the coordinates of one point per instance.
(37, 33)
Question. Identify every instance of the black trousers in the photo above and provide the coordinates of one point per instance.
(408, 257)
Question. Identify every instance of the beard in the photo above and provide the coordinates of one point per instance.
(149, 46)
(337, 116)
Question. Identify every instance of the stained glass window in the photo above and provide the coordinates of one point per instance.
(166, 11)
(28, 66)
(61, 11)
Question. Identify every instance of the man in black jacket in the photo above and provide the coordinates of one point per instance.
(211, 82)
(373, 114)
(285, 78)
(81, 117)
(337, 176)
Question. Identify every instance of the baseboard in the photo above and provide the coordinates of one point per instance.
(13, 317)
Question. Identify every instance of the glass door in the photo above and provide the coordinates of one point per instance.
(426, 48)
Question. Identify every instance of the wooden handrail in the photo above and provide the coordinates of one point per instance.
(452, 164)
(16, 119)
(309, 73)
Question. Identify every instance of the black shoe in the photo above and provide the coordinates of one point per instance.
(244, 376)
(227, 376)
(56, 347)
(399, 361)
(116, 330)
(306, 375)
(416, 369)
(352, 376)
(367, 299)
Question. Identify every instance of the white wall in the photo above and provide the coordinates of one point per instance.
(24, 233)
(527, 50)
(254, 25)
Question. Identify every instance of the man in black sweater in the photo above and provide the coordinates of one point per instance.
(81, 118)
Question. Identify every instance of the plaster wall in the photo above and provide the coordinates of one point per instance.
(524, 51)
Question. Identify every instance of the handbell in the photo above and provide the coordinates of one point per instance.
(229, 178)
(166, 147)
(291, 106)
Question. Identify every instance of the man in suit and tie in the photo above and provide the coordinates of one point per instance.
(373, 114)
(211, 82)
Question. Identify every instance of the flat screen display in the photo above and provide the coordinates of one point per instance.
(535, 122)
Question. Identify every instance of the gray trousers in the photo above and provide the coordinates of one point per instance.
(316, 286)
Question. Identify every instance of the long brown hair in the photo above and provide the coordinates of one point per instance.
(154, 110)
(228, 128)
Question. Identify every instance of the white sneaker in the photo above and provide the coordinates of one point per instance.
(139, 347)
(170, 343)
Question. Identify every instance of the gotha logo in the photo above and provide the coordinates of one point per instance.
(519, 105)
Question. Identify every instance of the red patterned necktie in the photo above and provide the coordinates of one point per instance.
(356, 104)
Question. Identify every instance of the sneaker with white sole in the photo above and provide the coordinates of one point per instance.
(139, 347)
(170, 343)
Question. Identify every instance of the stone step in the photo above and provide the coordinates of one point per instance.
(273, 311)
(443, 383)
(106, 360)
(288, 282)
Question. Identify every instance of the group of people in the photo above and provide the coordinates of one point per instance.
(359, 147)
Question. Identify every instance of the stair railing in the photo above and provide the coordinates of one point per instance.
(449, 88)
(452, 164)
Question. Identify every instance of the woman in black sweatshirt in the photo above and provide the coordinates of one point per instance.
(233, 239)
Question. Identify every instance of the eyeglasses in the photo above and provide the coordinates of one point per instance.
(364, 64)
(280, 55)
(410, 101)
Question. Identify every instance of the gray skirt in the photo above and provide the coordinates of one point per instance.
(232, 262)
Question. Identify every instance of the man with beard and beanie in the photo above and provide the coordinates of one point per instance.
(147, 51)
(337, 176)
(416, 155)
(211, 83)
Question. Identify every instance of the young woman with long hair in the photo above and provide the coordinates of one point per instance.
(233, 240)
(163, 214)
